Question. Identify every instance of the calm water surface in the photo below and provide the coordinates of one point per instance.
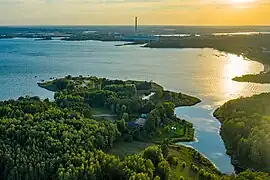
(204, 73)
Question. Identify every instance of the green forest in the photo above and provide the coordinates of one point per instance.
(72, 138)
(39, 140)
(245, 131)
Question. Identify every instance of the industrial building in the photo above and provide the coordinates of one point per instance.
(139, 37)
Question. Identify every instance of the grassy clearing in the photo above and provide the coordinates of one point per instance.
(103, 114)
(101, 111)
(123, 149)
(190, 156)
(175, 133)
(185, 155)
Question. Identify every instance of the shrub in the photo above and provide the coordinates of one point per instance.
(163, 170)
(165, 150)
(181, 178)
(194, 168)
(153, 153)
(172, 160)
(202, 173)
(184, 165)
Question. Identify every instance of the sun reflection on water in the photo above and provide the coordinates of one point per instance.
(235, 66)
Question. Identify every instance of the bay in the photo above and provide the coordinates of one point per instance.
(204, 73)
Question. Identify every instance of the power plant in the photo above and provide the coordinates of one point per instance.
(137, 36)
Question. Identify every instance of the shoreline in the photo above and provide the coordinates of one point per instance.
(174, 141)
(188, 146)
(200, 141)
(252, 47)
(196, 103)
(225, 114)
(266, 66)
(252, 60)
(237, 168)
(52, 91)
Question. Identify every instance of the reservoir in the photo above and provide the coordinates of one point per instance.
(204, 73)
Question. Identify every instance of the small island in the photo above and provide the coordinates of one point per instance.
(245, 131)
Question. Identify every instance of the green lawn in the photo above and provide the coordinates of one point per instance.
(103, 114)
(123, 149)
(181, 133)
(100, 111)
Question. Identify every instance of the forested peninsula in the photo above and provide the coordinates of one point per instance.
(253, 47)
(101, 129)
(136, 103)
(245, 131)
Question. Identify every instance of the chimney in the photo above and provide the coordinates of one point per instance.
(136, 25)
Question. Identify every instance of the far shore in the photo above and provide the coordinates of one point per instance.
(253, 47)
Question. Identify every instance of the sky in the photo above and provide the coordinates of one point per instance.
(122, 12)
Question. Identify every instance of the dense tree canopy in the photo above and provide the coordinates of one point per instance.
(60, 140)
(37, 138)
(245, 130)
(125, 99)
(44, 140)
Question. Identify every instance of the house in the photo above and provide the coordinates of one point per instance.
(141, 121)
(138, 122)
(132, 124)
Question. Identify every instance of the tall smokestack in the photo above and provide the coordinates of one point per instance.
(136, 25)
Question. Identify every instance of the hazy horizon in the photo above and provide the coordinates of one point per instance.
(122, 12)
(130, 25)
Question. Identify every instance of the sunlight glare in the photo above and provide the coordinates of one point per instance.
(242, 1)
(235, 67)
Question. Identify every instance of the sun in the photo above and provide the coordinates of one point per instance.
(242, 4)
(242, 1)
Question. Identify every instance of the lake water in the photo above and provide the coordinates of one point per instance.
(204, 73)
